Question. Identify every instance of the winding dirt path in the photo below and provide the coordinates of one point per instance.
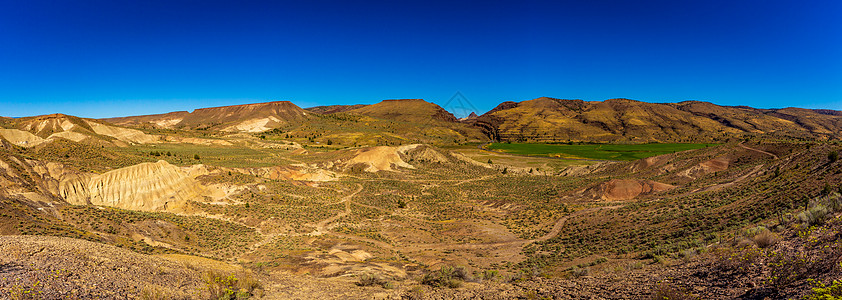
(756, 150)
(754, 171)
(320, 227)
(559, 224)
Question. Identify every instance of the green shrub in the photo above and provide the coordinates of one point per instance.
(815, 215)
(369, 279)
(230, 287)
(786, 269)
(490, 274)
(576, 271)
(821, 291)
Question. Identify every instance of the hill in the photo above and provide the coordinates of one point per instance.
(37, 130)
(624, 120)
(255, 117)
(406, 110)
(332, 109)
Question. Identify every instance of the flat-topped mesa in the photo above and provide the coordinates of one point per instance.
(285, 105)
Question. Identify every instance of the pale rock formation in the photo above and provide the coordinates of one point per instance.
(21, 138)
(124, 134)
(156, 186)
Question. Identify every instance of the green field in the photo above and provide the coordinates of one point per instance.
(593, 151)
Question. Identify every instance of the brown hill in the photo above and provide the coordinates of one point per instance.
(332, 109)
(471, 116)
(618, 120)
(255, 117)
(406, 110)
(166, 120)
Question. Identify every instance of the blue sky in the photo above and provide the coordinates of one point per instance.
(114, 58)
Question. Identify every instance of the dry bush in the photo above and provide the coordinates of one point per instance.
(738, 260)
(785, 269)
(370, 279)
(766, 238)
(444, 277)
(666, 291)
(576, 271)
(231, 287)
(154, 293)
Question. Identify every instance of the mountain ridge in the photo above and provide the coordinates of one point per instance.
(543, 119)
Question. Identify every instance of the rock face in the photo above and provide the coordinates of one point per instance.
(20, 137)
(156, 186)
(33, 131)
(381, 158)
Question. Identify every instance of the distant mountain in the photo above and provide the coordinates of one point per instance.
(542, 120)
(471, 116)
(37, 130)
(624, 120)
(238, 118)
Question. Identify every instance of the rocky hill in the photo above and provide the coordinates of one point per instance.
(624, 120)
(406, 110)
(332, 109)
(37, 130)
(255, 117)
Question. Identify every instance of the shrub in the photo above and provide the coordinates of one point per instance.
(766, 238)
(153, 293)
(576, 271)
(815, 215)
(635, 265)
(414, 293)
(370, 280)
(786, 269)
(687, 253)
(738, 260)
(230, 287)
(833, 156)
(821, 291)
(490, 274)
(666, 291)
(444, 277)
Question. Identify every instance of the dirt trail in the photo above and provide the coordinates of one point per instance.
(320, 227)
(560, 223)
(715, 187)
(516, 242)
(756, 150)
(458, 181)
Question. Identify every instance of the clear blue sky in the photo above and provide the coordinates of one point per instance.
(113, 58)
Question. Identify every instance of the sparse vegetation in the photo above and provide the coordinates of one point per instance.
(220, 286)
